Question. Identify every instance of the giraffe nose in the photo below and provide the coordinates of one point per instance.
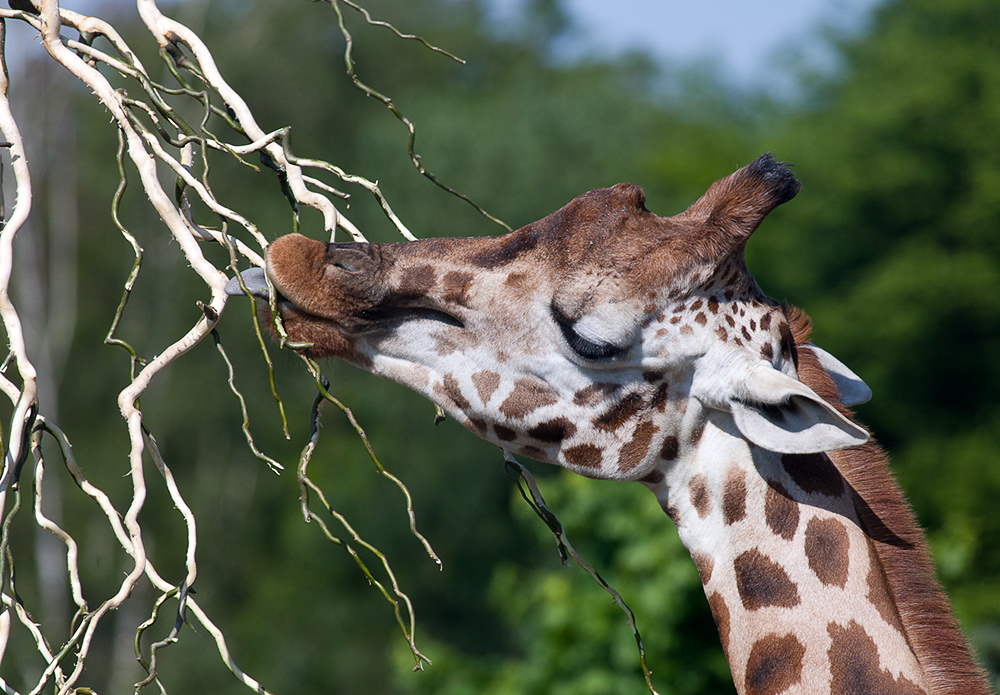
(255, 282)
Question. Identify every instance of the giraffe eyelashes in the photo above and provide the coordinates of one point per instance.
(584, 347)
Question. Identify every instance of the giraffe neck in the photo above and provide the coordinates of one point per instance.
(793, 580)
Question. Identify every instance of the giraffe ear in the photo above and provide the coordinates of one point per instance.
(782, 414)
(851, 389)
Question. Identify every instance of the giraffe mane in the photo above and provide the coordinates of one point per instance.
(899, 542)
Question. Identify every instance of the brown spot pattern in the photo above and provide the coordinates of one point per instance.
(774, 665)
(670, 511)
(451, 390)
(654, 477)
(456, 287)
(704, 564)
(697, 431)
(619, 413)
(553, 430)
(814, 473)
(504, 434)
(827, 546)
(670, 448)
(855, 668)
(701, 496)
(486, 383)
(532, 452)
(518, 281)
(734, 496)
(476, 425)
(593, 394)
(417, 281)
(507, 248)
(762, 582)
(720, 613)
(443, 344)
(634, 451)
(660, 397)
(781, 512)
(528, 395)
(878, 590)
(586, 455)
(701, 319)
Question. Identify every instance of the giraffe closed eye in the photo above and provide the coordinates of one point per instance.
(584, 347)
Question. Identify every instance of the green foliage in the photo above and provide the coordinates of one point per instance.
(571, 637)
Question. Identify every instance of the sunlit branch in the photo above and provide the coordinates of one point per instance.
(157, 144)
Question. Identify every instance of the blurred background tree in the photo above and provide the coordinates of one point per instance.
(892, 247)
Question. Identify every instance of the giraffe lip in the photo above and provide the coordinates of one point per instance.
(395, 315)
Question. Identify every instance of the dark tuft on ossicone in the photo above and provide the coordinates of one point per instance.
(777, 176)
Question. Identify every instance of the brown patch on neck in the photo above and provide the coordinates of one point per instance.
(619, 413)
(720, 612)
(900, 547)
(734, 496)
(774, 665)
(701, 496)
(827, 546)
(763, 583)
(780, 511)
(855, 667)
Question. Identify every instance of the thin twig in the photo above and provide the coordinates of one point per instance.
(410, 127)
(305, 486)
(566, 550)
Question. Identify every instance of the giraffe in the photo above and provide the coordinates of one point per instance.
(626, 346)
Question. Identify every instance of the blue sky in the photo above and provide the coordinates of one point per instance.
(746, 39)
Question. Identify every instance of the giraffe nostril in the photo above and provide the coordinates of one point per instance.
(350, 257)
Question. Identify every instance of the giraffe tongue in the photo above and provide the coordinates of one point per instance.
(254, 280)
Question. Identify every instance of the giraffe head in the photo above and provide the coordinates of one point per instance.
(578, 339)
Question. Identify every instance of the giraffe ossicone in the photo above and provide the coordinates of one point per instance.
(623, 345)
